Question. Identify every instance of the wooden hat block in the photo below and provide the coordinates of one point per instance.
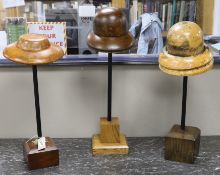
(110, 140)
(41, 159)
(182, 145)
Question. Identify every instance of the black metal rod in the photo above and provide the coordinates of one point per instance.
(37, 104)
(184, 97)
(109, 116)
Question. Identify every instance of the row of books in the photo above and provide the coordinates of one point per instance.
(173, 12)
(169, 11)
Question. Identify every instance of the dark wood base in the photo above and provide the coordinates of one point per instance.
(182, 145)
(41, 159)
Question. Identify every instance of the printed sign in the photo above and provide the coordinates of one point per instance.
(13, 3)
(87, 11)
(55, 31)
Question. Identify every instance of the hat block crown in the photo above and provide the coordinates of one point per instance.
(110, 22)
(185, 39)
(33, 42)
(110, 31)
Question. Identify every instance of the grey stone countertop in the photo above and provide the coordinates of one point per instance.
(145, 157)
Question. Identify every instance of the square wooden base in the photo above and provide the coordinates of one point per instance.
(182, 145)
(110, 140)
(99, 148)
(41, 159)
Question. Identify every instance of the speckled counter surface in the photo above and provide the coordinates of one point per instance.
(145, 157)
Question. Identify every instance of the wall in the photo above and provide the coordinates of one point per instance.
(147, 101)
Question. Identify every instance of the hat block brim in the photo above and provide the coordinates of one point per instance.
(110, 44)
(49, 55)
(190, 72)
(186, 66)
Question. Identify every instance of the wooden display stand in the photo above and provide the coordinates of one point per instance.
(182, 145)
(43, 158)
(40, 158)
(182, 142)
(110, 140)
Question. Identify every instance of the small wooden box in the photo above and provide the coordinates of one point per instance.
(41, 159)
(182, 145)
(110, 140)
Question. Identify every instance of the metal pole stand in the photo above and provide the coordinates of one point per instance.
(48, 156)
(110, 140)
(182, 142)
(36, 98)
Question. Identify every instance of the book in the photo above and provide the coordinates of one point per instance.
(173, 15)
(178, 5)
(182, 11)
(157, 7)
(140, 9)
(169, 15)
(192, 10)
(149, 6)
(39, 11)
(132, 14)
(135, 10)
(186, 11)
(145, 6)
(161, 11)
(164, 16)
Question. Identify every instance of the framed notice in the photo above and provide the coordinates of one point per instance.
(55, 31)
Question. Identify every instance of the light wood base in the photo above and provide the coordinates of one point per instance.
(41, 159)
(110, 140)
(99, 148)
(182, 145)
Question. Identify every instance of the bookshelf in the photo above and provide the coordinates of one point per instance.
(169, 11)
(173, 11)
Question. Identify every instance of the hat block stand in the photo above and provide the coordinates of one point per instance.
(182, 142)
(46, 157)
(109, 140)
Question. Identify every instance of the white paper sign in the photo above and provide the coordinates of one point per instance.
(3, 43)
(41, 144)
(13, 3)
(55, 31)
(87, 11)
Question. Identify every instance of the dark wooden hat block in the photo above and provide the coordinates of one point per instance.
(182, 142)
(109, 140)
(43, 158)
